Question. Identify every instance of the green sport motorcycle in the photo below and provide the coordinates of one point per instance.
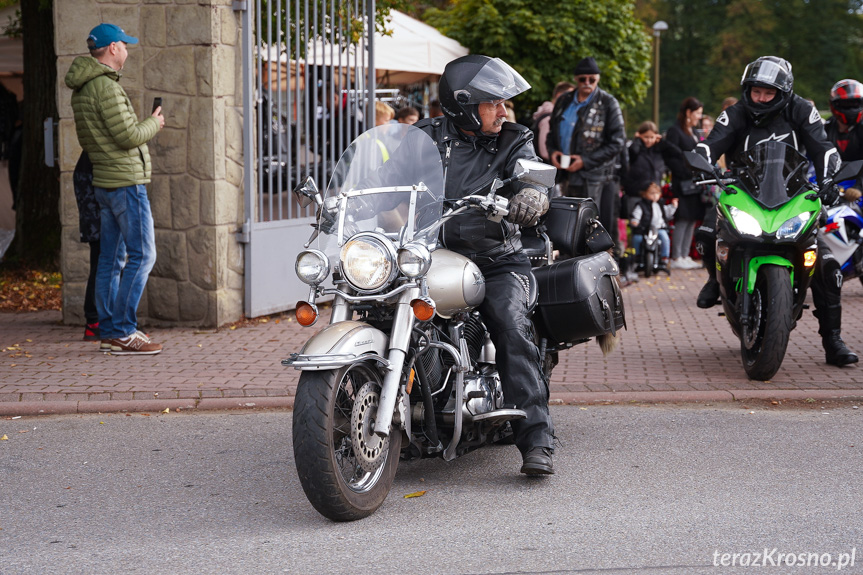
(766, 248)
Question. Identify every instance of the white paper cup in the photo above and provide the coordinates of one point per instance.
(564, 161)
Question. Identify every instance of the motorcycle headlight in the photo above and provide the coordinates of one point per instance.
(312, 267)
(793, 226)
(414, 260)
(368, 262)
(745, 223)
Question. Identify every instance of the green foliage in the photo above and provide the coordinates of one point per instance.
(709, 43)
(545, 40)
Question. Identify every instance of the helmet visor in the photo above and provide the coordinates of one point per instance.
(768, 73)
(497, 80)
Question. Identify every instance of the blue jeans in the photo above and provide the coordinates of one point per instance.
(664, 243)
(127, 230)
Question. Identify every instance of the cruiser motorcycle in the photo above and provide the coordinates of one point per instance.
(766, 249)
(405, 367)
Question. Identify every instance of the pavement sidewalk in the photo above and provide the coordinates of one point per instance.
(671, 351)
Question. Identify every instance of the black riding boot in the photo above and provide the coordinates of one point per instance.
(709, 294)
(830, 328)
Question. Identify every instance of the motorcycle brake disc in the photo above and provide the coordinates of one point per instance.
(369, 449)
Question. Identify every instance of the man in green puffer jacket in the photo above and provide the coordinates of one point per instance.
(116, 142)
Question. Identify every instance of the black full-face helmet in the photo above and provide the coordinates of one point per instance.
(767, 72)
(473, 79)
(846, 101)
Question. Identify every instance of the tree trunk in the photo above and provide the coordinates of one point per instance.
(37, 235)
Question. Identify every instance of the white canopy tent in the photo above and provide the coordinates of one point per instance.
(413, 52)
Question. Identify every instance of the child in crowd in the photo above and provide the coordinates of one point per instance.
(649, 212)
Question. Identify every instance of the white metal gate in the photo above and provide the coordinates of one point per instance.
(304, 84)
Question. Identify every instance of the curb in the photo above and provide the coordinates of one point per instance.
(31, 408)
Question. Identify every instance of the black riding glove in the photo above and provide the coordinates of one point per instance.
(829, 194)
(527, 206)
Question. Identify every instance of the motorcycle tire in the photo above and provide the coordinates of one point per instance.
(764, 341)
(329, 467)
(649, 263)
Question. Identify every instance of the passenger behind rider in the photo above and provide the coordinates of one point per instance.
(477, 144)
(769, 110)
(844, 126)
(651, 213)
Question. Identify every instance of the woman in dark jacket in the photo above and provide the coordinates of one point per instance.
(649, 156)
(691, 208)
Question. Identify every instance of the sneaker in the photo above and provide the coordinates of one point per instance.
(537, 461)
(677, 264)
(91, 332)
(134, 344)
(105, 346)
(693, 265)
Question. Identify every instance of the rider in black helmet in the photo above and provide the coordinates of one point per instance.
(476, 144)
(769, 110)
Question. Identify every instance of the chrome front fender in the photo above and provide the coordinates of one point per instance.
(340, 344)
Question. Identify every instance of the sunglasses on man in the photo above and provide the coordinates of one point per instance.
(587, 80)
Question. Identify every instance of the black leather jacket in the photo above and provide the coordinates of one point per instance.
(598, 137)
(798, 125)
(470, 164)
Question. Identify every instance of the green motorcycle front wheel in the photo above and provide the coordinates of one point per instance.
(764, 337)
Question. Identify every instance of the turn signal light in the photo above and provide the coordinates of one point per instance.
(809, 258)
(423, 310)
(306, 313)
(410, 384)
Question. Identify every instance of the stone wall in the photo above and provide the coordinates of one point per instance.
(189, 53)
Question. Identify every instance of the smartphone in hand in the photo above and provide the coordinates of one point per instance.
(156, 103)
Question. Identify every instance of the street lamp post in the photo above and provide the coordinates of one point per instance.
(658, 28)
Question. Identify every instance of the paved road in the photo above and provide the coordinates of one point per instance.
(658, 489)
(671, 351)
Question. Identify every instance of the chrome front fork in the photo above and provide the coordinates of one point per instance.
(400, 339)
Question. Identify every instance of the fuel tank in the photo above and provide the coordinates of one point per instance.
(455, 283)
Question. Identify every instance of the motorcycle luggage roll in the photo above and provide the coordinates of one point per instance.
(568, 222)
(579, 298)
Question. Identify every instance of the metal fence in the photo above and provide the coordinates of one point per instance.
(310, 93)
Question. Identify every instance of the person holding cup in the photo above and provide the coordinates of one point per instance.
(585, 138)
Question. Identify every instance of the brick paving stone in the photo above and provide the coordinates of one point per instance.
(670, 346)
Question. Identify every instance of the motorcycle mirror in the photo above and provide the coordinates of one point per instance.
(698, 162)
(848, 171)
(307, 192)
(535, 172)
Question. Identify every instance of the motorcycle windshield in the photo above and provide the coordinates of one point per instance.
(389, 181)
(774, 173)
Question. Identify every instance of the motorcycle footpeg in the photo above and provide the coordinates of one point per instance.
(500, 415)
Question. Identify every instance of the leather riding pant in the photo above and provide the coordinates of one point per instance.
(504, 312)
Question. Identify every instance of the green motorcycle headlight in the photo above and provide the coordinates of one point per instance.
(793, 226)
(745, 223)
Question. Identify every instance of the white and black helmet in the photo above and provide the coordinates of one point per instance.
(767, 72)
(473, 79)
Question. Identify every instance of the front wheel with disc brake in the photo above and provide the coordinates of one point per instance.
(345, 469)
(764, 337)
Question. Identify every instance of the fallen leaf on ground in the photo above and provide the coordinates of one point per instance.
(415, 494)
(4, 438)
(166, 410)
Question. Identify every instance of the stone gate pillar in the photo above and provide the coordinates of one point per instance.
(188, 53)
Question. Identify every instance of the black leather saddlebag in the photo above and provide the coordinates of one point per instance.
(568, 223)
(579, 298)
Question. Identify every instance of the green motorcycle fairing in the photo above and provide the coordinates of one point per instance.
(770, 222)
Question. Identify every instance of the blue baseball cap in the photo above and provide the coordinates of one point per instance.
(104, 34)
